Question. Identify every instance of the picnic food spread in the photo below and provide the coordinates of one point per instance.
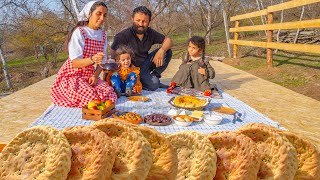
(254, 151)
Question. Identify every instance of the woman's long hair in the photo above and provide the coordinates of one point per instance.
(82, 23)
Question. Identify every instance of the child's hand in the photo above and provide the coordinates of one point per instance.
(93, 80)
(202, 71)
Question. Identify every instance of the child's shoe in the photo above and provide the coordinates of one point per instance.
(118, 93)
(128, 92)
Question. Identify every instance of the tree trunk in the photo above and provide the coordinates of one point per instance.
(298, 30)
(278, 33)
(209, 22)
(189, 19)
(5, 69)
(225, 21)
(261, 17)
(75, 7)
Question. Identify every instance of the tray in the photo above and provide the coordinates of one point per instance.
(191, 109)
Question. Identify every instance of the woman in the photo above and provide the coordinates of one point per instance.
(77, 81)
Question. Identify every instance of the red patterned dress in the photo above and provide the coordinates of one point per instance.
(71, 87)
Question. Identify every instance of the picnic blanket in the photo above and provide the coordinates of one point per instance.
(62, 117)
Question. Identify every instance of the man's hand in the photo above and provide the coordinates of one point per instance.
(202, 71)
(158, 58)
(93, 80)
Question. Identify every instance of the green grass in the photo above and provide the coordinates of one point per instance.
(32, 59)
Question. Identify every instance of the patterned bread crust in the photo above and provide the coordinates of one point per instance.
(279, 157)
(133, 151)
(39, 152)
(237, 156)
(308, 157)
(196, 155)
(92, 153)
(165, 160)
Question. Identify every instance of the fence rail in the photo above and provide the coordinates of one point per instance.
(270, 26)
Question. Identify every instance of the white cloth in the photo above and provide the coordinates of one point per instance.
(84, 13)
(76, 43)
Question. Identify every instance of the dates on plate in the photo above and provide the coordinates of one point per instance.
(157, 120)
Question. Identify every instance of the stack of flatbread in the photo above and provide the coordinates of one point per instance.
(114, 149)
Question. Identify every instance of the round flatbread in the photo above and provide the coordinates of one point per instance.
(165, 160)
(92, 153)
(279, 157)
(308, 157)
(39, 152)
(196, 155)
(133, 151)
(237, 156)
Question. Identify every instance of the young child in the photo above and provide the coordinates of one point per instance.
(127, 78)
(195, 71)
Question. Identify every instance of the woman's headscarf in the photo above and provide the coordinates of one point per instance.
(84, 14)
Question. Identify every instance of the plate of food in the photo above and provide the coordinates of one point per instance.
(224, 110)
(189, 102)
(131, 117)
(138, 98)
(157, 120)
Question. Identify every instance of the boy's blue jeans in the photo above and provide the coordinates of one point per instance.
(122, 85)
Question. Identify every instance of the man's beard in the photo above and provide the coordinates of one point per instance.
(139, 31)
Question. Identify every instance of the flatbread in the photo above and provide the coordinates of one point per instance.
(133, 151)
(165, 160)
(308, 157)
(40, 152)
(92, 153)
(279, 157)
(237, 156)
(196, 155)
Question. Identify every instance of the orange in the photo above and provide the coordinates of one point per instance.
(108, 103)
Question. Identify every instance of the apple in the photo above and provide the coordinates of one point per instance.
(101, 108)
(91, 104)
(93, 107)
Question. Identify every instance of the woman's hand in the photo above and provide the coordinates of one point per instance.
(202, 71)
(97, 58)
(93, 80)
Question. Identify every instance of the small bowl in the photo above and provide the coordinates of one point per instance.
(212, 119)
(181, 123)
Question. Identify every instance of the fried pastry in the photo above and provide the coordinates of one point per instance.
(131, 117)
(237, 156)
(133, 151)
(40, 152)
(196, 155)
(92, 153)
(278, 156)
(165, 160)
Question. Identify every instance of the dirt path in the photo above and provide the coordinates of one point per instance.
(294, 111)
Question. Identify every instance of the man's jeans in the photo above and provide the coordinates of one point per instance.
(150, 74)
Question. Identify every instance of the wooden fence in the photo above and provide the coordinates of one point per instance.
(270, 26)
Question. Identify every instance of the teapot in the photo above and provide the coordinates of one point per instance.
(111, 65)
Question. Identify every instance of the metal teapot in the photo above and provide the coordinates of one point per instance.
(111, 65)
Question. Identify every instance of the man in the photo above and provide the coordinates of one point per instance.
(140, 37)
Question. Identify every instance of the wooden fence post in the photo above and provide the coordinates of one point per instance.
(269, 39)
(236, 35)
